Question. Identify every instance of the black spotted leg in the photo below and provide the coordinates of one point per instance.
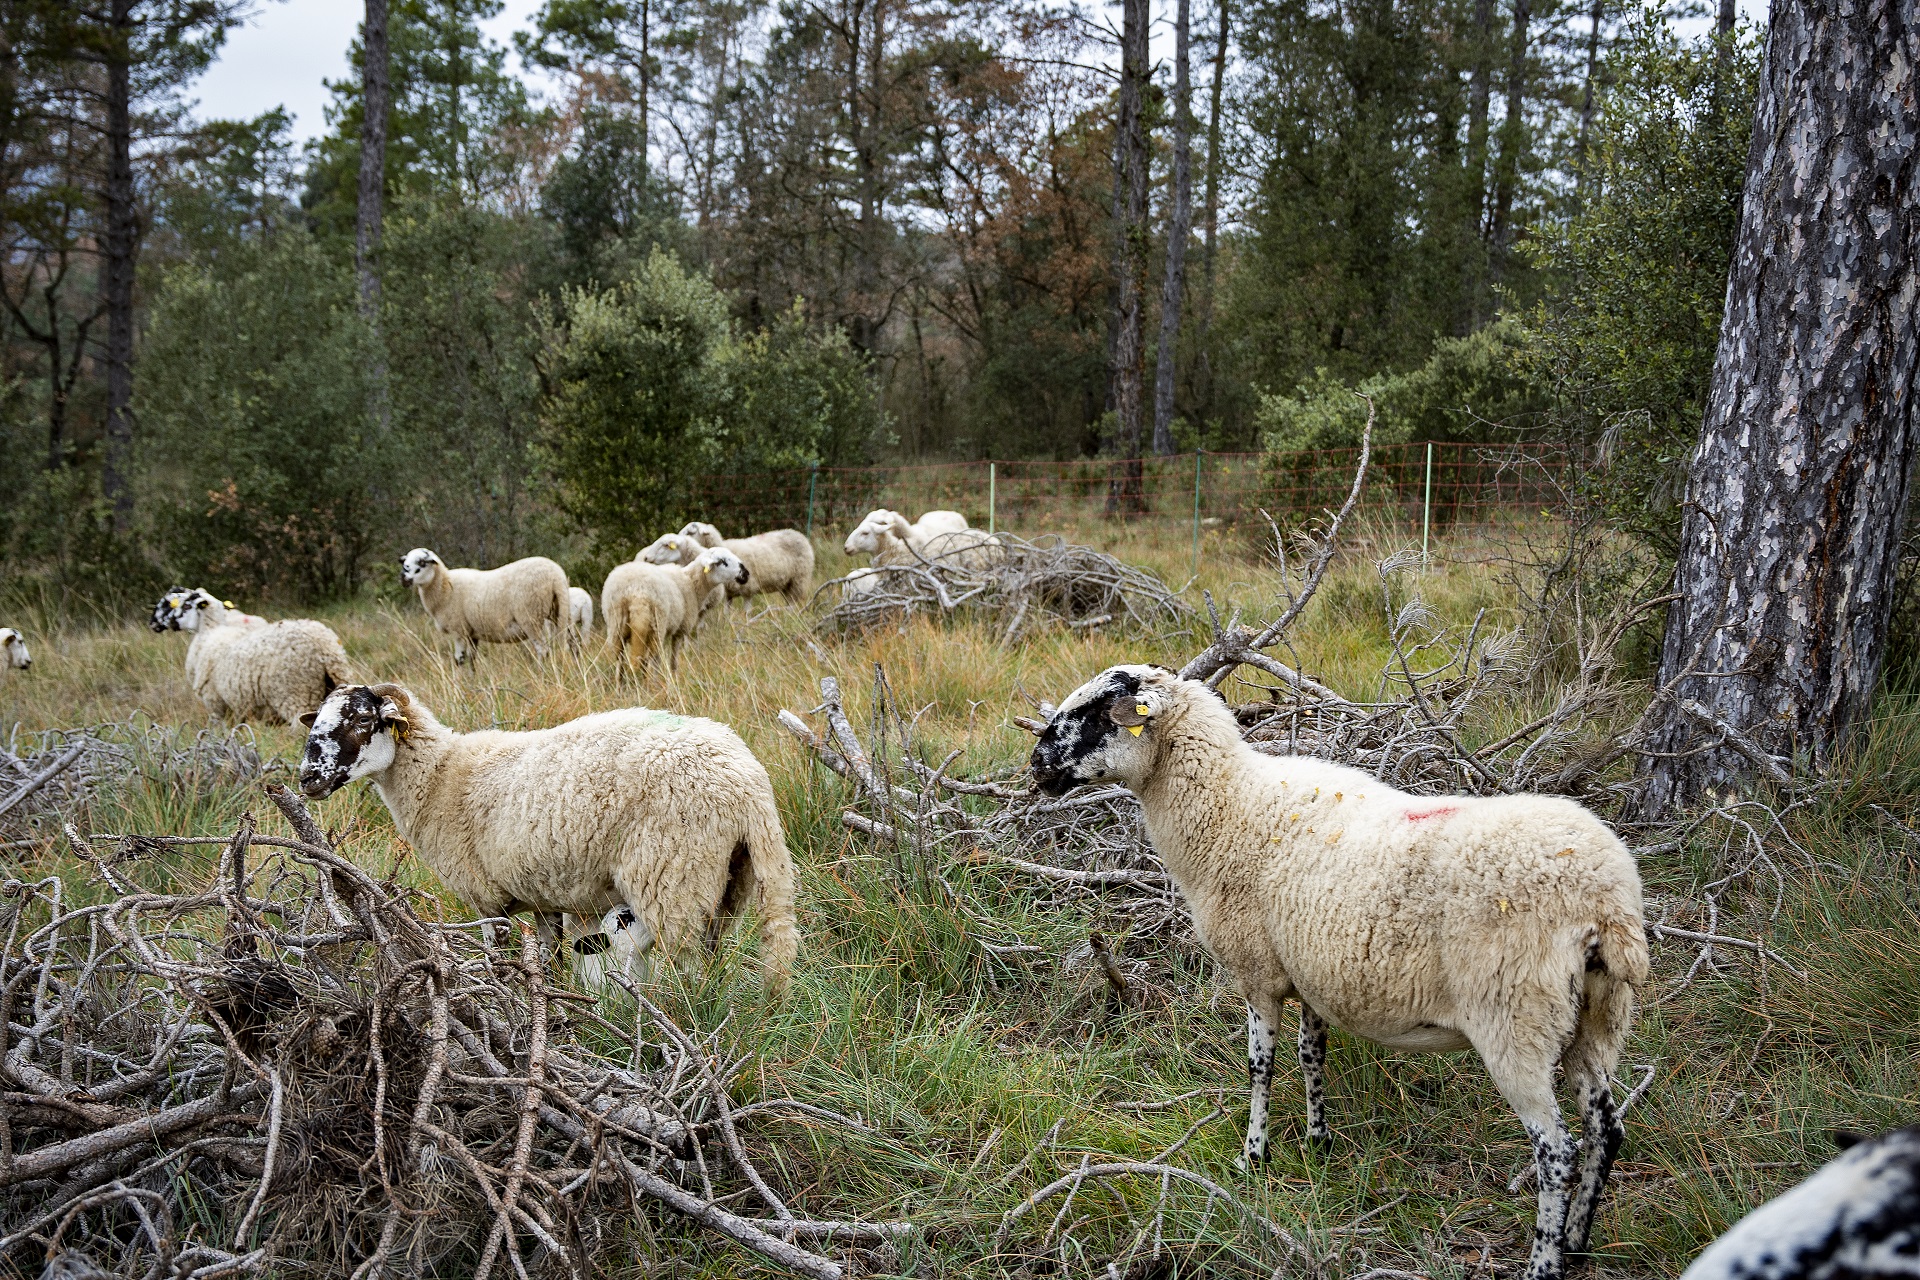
(1262, 1034)
(1313, 1075)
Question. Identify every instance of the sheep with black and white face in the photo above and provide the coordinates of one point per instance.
(13, 651)
(242, 667)
(1506, 924)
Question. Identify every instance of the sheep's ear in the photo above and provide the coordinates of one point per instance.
(1847, 1139)
(1130, 712)
(309, 718)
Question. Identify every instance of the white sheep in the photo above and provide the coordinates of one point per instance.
(524, 601)
(580, 611)
(1859, 1216)
(1508, 924)
(889, 540)
(619, 946)
(670, 815)
(240, 670)
(780, 560)
(15, 647)
(647, 607)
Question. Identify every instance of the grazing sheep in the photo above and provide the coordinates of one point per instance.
(240, 670)
(780, 560)
(888, 539)
(1508, 924)
(1859, 1216)
(620, 946)
(15, 646)
(580, 610)
(522, 601)
(647, 606)
(670, 815)
(170, 601)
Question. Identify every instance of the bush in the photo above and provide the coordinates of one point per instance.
(259, 458)
(794, 396)
(629, 401)
(1627, 339)
(1470, 389)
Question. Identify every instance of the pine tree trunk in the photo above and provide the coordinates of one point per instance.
(1798, 490)
(1479, 106)
(1130, 233)
(1588, 98)
(118, 246)
(374, 100)
(1210, 217)
(1513, 139)
(1179, 225)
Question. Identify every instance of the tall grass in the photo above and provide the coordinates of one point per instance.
(985, 1077)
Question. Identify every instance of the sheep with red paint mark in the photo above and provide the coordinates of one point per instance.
(1511, 925)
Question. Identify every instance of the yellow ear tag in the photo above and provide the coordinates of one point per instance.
(400, 727)
(1135, 729)
(708, 569)
(1142, 709)
(228, 604)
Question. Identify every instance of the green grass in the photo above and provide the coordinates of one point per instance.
(965, 1063)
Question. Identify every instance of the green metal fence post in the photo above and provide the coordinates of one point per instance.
(1426, 511)
(813, 481)
(1197, 455)
(993, 476)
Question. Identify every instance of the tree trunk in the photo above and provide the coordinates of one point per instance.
(1588, 98)
(1130, 234)
(1798, 490)
(1723, 49)
(1210, 218)
(374, 100)
(1179, 225)
(1473, 255)
(1513, 138)
(118, 245)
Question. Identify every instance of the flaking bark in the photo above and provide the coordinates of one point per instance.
(1798, 489)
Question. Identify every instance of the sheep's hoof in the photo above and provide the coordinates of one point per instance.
(1250, 1161)
(1320, 1143)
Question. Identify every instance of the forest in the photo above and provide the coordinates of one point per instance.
(840, 234)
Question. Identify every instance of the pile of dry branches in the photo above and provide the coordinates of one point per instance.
(287, 1067)
(51, 773)
(1022, 585)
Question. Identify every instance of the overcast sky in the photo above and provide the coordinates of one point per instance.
(284, 52)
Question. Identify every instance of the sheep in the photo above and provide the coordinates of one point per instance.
(1858, 1216)
(619, 946)
(15, 647)
(780, 560)
(888, 539)
(522, 601)
(580, 611)
(671, 816)
(648, 606)
(170, 601)
(242, 669)
(1509, 924)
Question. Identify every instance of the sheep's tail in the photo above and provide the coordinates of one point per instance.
(1616, 962)
(773, 869)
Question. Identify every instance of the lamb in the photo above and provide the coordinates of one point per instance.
(647, 606)
(781, 560)
(888, 539)
(619, 947)
(522, 601)
(1858, 1216)
(1508, 924)
(670, 816)
(580, 610)
(240, 670)
(15, 647)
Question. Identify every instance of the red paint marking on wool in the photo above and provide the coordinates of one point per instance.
(1424, 814)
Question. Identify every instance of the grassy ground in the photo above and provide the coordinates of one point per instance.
(988, 1079)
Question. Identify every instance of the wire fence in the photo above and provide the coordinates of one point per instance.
(1433, 485)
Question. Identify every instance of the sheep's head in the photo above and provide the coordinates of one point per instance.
(701, 533)
(669, 548)
(620, 946)
(869, 534)
(355, 732)
(1104, 731)
(166, 614)
(717, 564)
(418, 566)
(15, 648)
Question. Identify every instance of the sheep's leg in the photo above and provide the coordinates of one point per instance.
(1313, 1074)
(550, 928)
(1601, 1131)
(1262, 1018)
(1553, 1159)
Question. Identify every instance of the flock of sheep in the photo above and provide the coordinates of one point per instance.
(1511, 925)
